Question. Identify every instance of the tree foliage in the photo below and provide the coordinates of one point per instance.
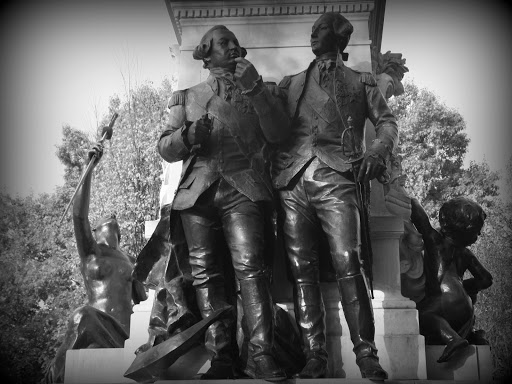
(128, 178)
(493, 309)
(433, 144)
(40, 283)
(40, 280)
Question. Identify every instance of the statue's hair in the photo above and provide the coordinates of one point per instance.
(202, 51)
(341, 27)
(105, 220)
(461, 219)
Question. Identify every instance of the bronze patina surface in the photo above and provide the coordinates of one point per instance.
(446, 313)
(322, 174)
(221, 130)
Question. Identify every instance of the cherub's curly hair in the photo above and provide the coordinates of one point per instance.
(341, 27)
(202, 51)
(461, 219)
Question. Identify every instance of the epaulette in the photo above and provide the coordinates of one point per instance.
(285, 83)
(177, 98)
(367, 78)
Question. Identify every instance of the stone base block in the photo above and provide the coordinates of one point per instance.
(108, 365)
(105, 365)
(401, 349)
(473, 363)
(139, 322)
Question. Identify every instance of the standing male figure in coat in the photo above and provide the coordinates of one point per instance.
(220, 128)
(317, 173)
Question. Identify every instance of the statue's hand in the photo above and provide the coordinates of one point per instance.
(246, 75)
(372, 166)
(96, 152)
(199, 131)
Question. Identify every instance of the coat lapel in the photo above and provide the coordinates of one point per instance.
(296, 90)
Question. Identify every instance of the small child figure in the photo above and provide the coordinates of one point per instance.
(446, 314)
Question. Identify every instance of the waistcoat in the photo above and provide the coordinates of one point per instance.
(234, 150)
(326, 122)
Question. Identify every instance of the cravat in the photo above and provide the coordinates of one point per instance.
(326, 71)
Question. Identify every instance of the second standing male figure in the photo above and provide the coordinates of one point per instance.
(317, 173)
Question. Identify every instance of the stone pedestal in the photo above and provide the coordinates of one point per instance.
(139, 323)
(105, 365)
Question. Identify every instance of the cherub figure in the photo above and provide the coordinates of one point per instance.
(446, 313)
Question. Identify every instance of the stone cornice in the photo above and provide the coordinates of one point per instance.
(183, 10)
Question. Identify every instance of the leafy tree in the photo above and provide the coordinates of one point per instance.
(432, 144)
(128, 178)
(493, 311)
(40, 283)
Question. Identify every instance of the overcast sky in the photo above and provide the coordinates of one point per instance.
(62, 60)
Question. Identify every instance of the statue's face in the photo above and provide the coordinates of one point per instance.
(108, 230)
(322, 37)
(225, 49)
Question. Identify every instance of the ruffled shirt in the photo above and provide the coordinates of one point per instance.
(326, 64)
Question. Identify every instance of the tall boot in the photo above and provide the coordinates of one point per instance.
(257, 305)
(359, 315)
(218, 338)
(310, 316)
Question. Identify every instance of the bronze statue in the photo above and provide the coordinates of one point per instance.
(221, 129)
(322, 173)
(105, 321)
(165, 266)
(446, 312)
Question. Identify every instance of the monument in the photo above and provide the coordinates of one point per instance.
(277, 39)
(276, 35)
